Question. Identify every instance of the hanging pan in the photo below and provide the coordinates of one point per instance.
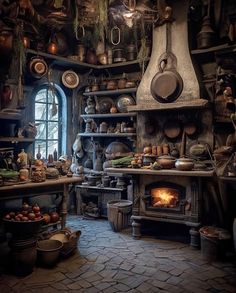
(167, 84)
(172, 128)
(191, 128)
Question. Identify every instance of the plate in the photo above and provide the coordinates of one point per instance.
(123, 102)
(105, 105)
(70, 79)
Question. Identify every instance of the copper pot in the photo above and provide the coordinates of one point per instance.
(52, 48)
(26, 42)
(6, 38)
(166, 161)
(112, 85)
(122, 83)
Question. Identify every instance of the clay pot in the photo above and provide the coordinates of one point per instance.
(91, 57)
(103, 59)
(111, 85)
(166, 161)
(122, 83)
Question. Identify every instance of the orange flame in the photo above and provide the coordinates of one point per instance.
(164, 197)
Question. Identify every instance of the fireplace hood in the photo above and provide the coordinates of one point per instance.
(190, 94)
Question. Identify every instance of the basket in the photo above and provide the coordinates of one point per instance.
(69, 240)
(119, 212)
(213, 242)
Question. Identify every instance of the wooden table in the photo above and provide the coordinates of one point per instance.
(51, 186)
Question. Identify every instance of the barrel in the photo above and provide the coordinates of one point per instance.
(119, 212)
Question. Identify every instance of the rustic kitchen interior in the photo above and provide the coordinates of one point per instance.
(121, 110)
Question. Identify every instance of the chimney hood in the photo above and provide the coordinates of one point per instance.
(178, 38)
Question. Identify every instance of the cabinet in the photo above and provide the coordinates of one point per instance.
(9, 123)
(100, 196)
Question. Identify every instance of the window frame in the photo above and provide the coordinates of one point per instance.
(62, 118)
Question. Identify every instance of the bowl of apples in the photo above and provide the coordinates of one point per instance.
(24, 223)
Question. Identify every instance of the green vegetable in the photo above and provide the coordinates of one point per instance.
(122, 162)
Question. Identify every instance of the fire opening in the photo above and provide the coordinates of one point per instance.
(165, 197)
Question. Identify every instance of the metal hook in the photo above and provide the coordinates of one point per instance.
(115, 28)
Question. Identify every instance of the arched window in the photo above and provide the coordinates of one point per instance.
(50, 120)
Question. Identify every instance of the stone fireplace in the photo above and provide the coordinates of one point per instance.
(168, 199)
(170, 196)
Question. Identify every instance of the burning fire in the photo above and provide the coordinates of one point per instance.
(164, 197)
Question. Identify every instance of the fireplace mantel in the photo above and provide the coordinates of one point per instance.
(163, 172)
(155, 106)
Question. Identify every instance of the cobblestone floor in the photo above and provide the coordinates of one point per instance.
(114, 262)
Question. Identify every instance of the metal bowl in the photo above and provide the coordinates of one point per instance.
(123, 102)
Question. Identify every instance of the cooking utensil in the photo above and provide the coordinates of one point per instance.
(199, 150)
(166, 161)
(190, 127)
(184, 164)
(172, 128)
(123, 102)
(105, 104)
(167, 84)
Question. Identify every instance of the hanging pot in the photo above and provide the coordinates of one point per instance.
(167, 84)
(6, 40)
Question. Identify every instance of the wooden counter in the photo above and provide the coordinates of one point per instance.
(51, 186)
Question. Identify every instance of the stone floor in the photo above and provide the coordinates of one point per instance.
(114, 262)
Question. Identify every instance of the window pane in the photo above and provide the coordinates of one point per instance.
(41, 131)
(41, 96)
(51, 111)
(40, 111)
(52, 145)
(52, 130)
(51, 95)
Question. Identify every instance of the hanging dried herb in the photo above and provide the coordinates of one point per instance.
(103, 19)
(58, 3)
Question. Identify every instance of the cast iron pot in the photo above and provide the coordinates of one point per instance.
(167, 84)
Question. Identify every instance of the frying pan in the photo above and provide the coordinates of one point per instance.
(190, 127)
(167, 84)
(172, 128)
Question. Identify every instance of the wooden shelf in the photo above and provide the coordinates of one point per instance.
(111, 92)
(221, 48)
(99, 188)
(66, 62)
(163, 172)
(16, 139)
(91, 134)
(108, 115)
(10, 116)
(155, 106)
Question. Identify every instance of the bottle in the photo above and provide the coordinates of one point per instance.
(38, 155)
(55, 155)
